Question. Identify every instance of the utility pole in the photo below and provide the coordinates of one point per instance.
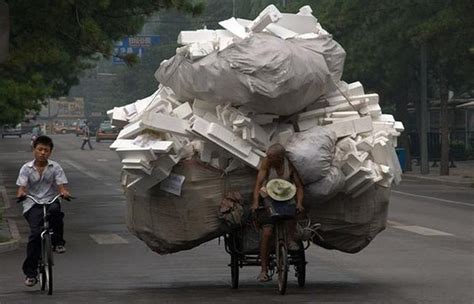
(233, 8)
(425, 169)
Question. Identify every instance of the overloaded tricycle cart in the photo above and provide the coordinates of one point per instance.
(242, 244)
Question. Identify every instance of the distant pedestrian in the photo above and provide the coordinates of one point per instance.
(86, 136)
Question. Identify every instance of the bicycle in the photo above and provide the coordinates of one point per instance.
(46, 261)
(242, 246)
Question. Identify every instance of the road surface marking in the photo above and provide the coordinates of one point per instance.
(434, 198)
(108, 238)
(82, 169)
(102, 160)
(417, 229)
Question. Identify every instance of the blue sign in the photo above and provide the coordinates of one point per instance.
(133, 45)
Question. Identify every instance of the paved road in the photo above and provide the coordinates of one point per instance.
(425, 256)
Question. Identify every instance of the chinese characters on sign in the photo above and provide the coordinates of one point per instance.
(133, 45)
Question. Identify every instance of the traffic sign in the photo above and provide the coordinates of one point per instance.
(133, 45)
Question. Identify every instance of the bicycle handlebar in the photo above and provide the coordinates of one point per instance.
(22, 198)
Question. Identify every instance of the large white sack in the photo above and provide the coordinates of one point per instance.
(350, 224)
(311, 152)
(168, 223)
(327, 187)
(264, 72)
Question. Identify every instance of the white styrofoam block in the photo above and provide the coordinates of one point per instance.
(136, 166)
(234, 27)
(354, 105)
(200, 49)
(211, 117)
(357, 179)
(142, 105)
(224, 38)
(122, 143)
(280, 31)
(161, 170)
(145, 154)
(130, 109)
(355, 89)
(269, 15)
(305, 11)
(240, 148)
(260, 137)
(160, 146)
(353, 161)
(300, 24)
(385, 118)
(189, 37)
(110, 113)
(136, 169)
(351, 127)
(164, 123)
(225, 136)
(372, 99)
(387, 175)
(343, 114)
(130, 130)
(201, 107)
(119, 117)
(184, 111)
(347, 145)
(399, 126)
(363, 124)
(375, 110)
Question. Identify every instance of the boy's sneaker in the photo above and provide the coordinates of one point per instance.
(30, 282)
(59, 249)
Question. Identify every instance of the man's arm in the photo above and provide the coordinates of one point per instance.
(63, 191)
(21, 191)
(261, 176)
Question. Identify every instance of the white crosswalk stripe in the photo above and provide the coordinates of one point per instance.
(418, 229)
(108, 238)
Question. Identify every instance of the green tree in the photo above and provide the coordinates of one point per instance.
(51, 44)
(383, 39)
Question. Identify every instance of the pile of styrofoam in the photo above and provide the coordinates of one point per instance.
(161, 130)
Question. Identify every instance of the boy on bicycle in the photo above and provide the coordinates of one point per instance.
(43, 179)
(274, 165)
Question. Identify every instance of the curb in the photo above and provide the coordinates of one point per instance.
(14, 242)
(467, 184)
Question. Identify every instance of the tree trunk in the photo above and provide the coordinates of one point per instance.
(444, 124)
(403, 140)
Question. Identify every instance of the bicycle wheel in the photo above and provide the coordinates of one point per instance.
(300, 268)
(42, 275)
(234, 270)
(48, 263)
(282, 266)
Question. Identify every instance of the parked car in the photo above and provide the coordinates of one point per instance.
(63, 128)
(106, 132)
(11, 130)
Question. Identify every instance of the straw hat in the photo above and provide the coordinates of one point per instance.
(280, 189)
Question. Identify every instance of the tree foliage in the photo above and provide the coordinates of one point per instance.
(52, 42)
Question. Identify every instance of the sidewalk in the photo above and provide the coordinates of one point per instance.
(462, 175)
(9, 235)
